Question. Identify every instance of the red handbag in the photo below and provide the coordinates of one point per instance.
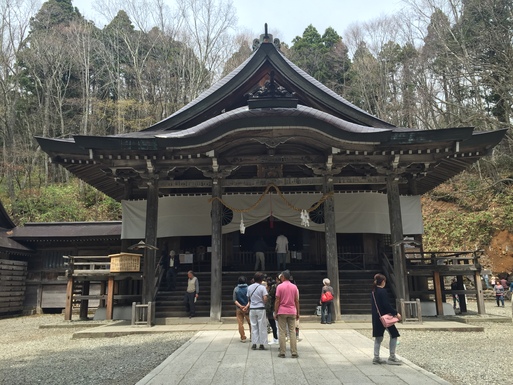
(326, 296)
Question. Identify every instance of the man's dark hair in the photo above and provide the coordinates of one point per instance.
(242, 280)
(258, 277)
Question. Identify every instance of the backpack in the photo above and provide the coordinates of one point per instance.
(242, 294)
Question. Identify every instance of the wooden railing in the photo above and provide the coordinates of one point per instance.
(452, 260)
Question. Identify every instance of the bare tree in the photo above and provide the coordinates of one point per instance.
(206, 30)
(14, 26)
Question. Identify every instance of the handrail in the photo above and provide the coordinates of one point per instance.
(159, 273)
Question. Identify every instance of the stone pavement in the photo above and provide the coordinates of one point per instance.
(326, 356)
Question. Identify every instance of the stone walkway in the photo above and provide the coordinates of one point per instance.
(326, 356)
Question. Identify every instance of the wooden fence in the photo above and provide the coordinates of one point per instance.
(13, 275)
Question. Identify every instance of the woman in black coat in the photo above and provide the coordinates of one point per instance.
(379, 297)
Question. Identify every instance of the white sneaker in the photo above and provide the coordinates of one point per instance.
(273, 342)
(276, 341)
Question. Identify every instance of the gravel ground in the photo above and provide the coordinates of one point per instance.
(463, 358)
(31, 355)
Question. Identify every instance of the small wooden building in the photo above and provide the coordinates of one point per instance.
(270, 147)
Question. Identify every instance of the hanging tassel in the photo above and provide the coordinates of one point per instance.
(305, 218)
(242, 227)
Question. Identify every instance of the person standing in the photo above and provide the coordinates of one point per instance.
(174, 265)
(282, 248)
(326, 306)
(272, 282)
(191, 293)
(499, 292)
(240, 298)
(286, 309)
(259, 249)
(381, 305)
(455, 297)
(257, 297)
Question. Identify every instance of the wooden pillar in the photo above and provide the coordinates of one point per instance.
(397, 236)
(479, 296)
(84, 304)
(331, 244)
(69, 299)
(109, 311)
(152, 207)
(216, 247)
(438, 293)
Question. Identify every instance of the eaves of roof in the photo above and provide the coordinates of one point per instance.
(10, 245)
(65, 230)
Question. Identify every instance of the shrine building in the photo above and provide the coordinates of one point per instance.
(269, 150)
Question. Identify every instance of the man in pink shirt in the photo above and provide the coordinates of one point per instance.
(286, 310)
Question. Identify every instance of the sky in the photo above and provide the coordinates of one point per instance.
(287, 19)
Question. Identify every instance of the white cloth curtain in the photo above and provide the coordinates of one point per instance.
(190, 215)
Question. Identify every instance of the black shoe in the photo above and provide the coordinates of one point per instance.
(253, 347)
(262, 347)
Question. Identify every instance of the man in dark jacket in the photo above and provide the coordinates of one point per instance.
(240, 298)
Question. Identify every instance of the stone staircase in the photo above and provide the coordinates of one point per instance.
(355, 287)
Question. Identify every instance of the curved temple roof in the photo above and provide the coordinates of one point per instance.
(269, 114)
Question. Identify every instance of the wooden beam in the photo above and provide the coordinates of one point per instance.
(438, 293)
(69, 300)
(479, 296)
(331, 245)
(109, 311)
(152, 207)
(259, 182)
(397, 236)
(216, 255)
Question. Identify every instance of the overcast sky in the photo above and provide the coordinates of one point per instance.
(287, 19)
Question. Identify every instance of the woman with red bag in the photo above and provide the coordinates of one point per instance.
(326, 302)
(381, 305)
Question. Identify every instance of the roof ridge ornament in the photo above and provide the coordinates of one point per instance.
(266, 38)
(272, 95)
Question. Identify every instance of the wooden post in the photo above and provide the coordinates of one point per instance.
(69, 299)
(438, 293)
(397, 236)
(152, 207)
(216, 261)
(109, 311)
(331, 244)
(479, 296)
(103, 288)
(84, 304)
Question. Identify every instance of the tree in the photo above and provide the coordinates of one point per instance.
(206, 26)
(323, 57)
